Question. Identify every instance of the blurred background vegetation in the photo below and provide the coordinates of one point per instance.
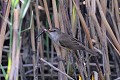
(95, 23)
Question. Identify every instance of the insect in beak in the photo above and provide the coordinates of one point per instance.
(40, 34)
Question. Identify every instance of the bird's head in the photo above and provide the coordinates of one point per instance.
(53, 33)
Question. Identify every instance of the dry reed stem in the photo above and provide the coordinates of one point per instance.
(17, 61)
(106, 66)
(88, 36)
(3, 29)
(108, 27)
(40, 47)
(84, 25)
(114, 26)
(56, 68)
(8, 22)
(73, 18)
(15, 44)
(55, 13)
(47, 13)
(61, 20)
(22, 71)
(32, 35)
(97, 26)
(33, 44)
(94, 18)
(91, 9)
(65, 18)
(112, 45)
(116, 7)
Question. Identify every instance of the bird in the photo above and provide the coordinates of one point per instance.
(67, 41)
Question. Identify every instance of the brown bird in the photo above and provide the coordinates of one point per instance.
(67, 41)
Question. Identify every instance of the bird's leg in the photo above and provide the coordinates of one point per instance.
(81, 58)
(79, 64)
(72, 66)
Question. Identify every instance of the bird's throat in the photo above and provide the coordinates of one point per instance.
(54, 36)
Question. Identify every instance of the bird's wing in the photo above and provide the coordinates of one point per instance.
(70, 42)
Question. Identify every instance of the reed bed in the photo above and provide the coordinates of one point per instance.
(95, 23)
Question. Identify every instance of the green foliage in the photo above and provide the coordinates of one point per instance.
(14, 3)
(24, 8)
(4, 73)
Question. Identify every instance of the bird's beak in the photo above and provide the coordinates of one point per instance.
(46, 30)
(40, 34)
(49, 30)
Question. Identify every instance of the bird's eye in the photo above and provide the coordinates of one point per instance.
(53, 30)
